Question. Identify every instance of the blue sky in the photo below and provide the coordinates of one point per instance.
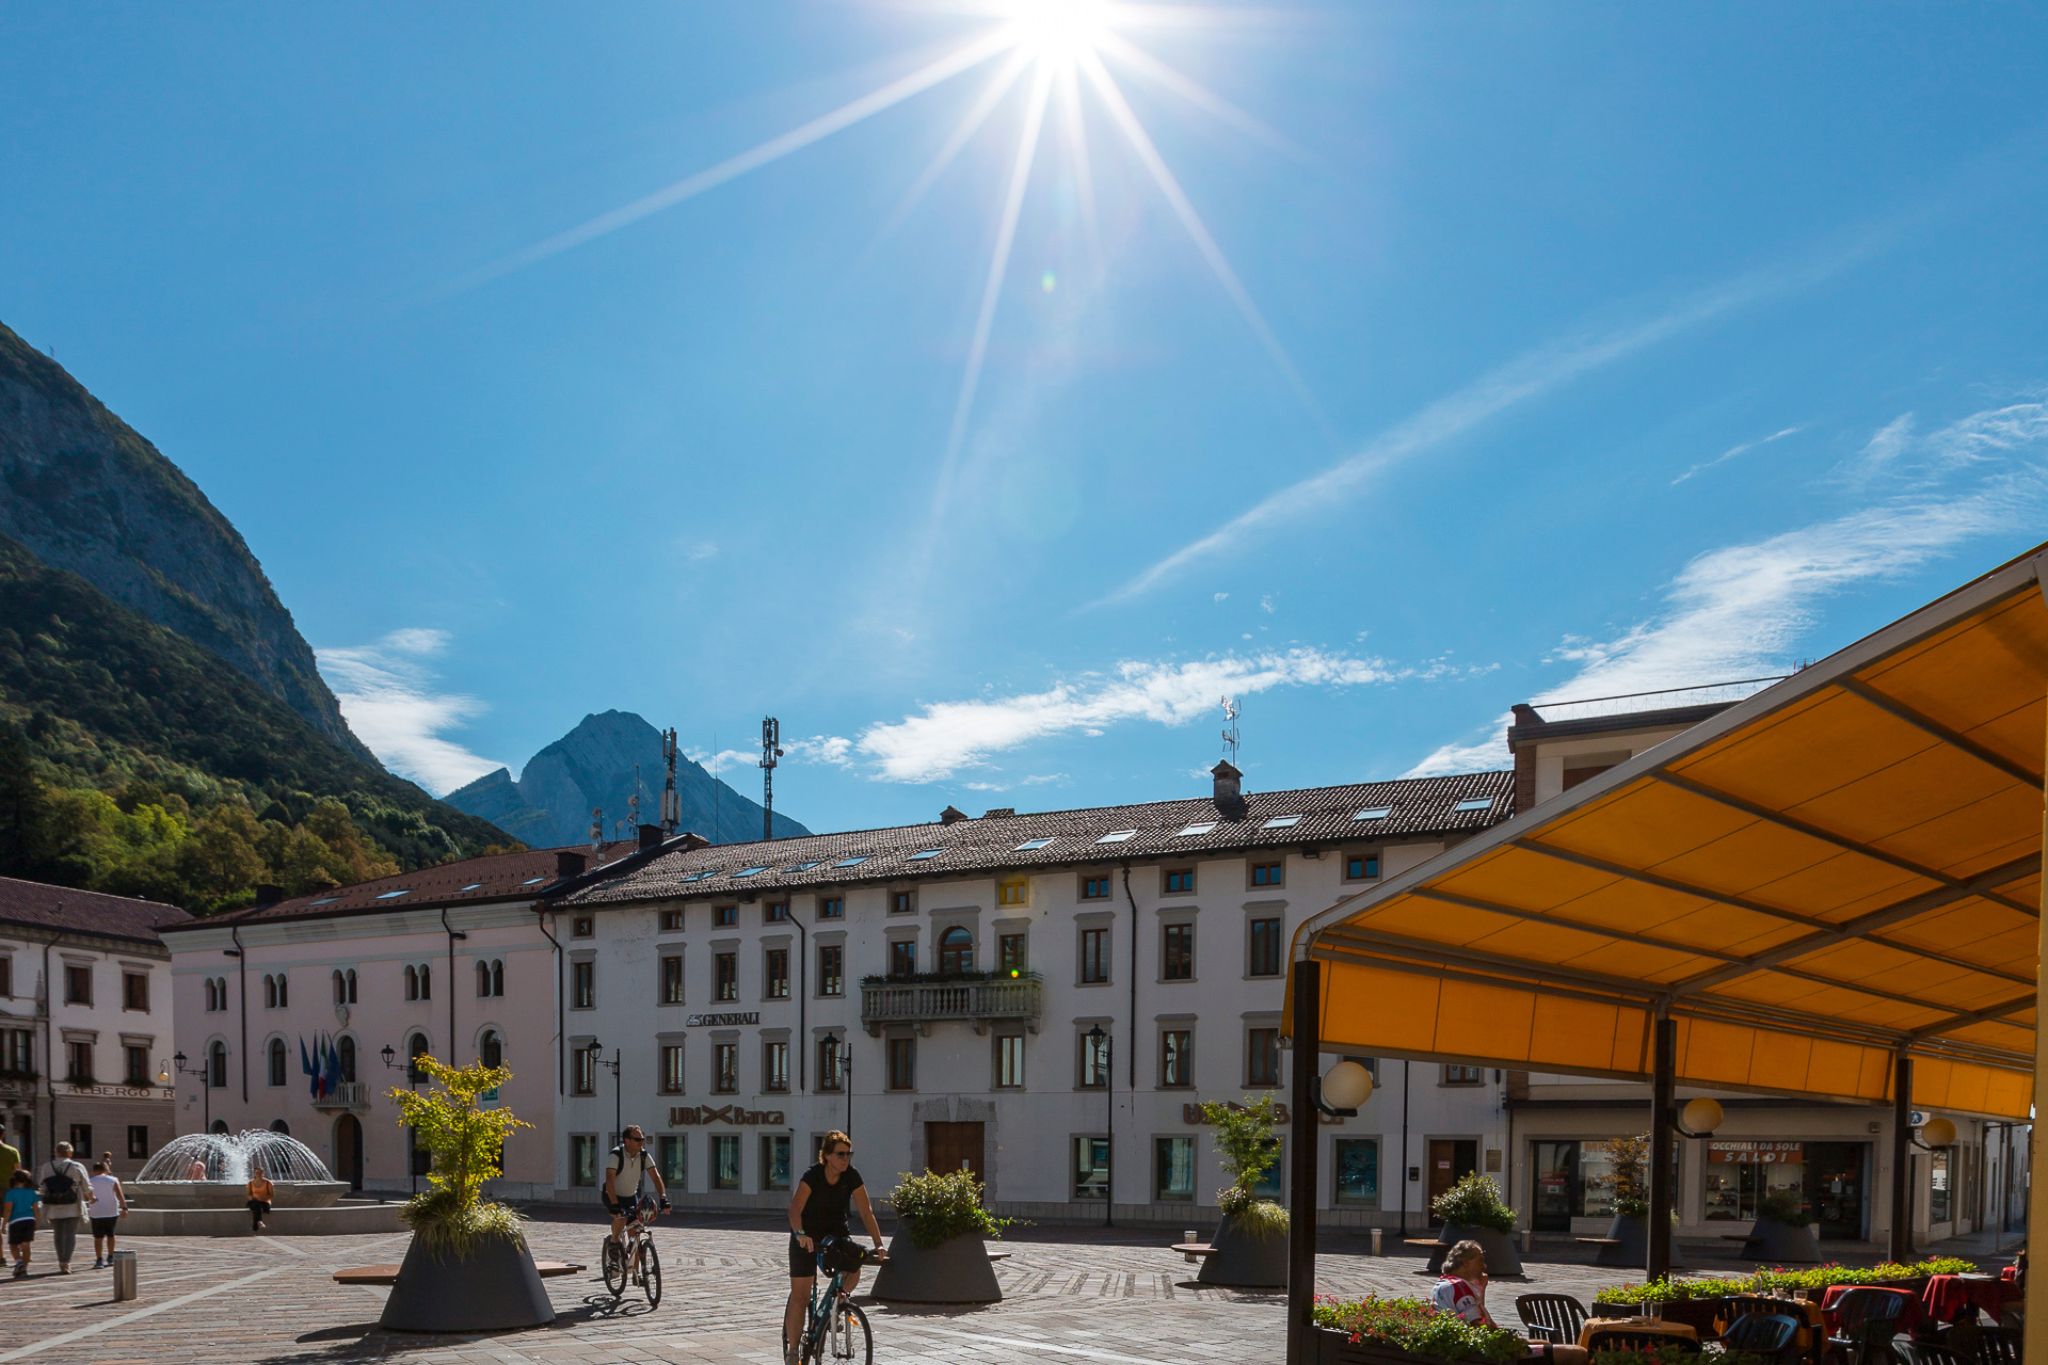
(1379, 365)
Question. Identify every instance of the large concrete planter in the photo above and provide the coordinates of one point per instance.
(1774, 1243)
(493, 1289)
(1501, 1256)
(1242, 1261)
(1631, 1233)
(1337, 1348)
(955, 1271)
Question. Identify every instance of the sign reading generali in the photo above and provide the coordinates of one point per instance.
(735, 1019)
(1755, 1153)
(687, 1117)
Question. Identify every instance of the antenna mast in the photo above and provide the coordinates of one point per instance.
(596, 832)
(771, 749)
(671, 803)
(633, 805)
(1230, 709)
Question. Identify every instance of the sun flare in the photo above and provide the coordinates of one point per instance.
(1060, 32)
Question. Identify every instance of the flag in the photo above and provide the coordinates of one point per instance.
(330, 1079)
(306, 1063)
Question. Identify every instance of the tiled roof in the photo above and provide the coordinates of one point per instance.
(85, 912)
(1327, 815)
(501, 876)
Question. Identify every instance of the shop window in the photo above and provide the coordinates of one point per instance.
(1091, 1168)
(1938, 1186)
(725, 1161)
(582, 1159)
(1173, 1169)
(774, 1161)
(673, 1151)
(1356, 1173)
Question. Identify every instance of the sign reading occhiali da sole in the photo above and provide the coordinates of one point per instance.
(732, 1113)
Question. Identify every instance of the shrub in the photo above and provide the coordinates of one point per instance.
(465, 1142)
(1783, 1206)
(1779, 1280)
(1474, 1202)
(937, 1207)
(1419, 1329)
(1630, 1158)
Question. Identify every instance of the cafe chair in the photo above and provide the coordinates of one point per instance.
(1555, 1318)
(1635, 1339)
(1763, 1334)
(1992, 1345)
(1746, 1305)
(1931, 1353)
(1870, 1319)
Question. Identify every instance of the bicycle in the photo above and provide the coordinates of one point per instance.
(835, 1328)
(633, 1256)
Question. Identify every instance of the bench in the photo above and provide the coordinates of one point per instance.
(999, 1255)
(1420, 1242)
(1599, 1241)
(388, 1274)
(1194, 1249)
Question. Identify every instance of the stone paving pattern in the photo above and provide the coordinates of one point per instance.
(1070, 1294)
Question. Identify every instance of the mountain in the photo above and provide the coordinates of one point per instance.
(82, 491)
(592, 766)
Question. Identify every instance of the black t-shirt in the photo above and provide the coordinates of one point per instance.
(825, 1210)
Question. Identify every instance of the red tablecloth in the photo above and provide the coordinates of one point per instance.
(1909, 1313)
(1952, 1298)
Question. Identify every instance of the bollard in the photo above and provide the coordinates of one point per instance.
(124, 1276)
(1378, 1234)
(1528, 1240)
(1189, 1235)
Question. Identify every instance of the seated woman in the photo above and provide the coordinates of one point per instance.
(1461, 1286)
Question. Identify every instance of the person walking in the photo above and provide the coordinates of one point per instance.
(109, 1205)
(260, 1193)
(65, 1187)
(10, 1159)
(18, 1210)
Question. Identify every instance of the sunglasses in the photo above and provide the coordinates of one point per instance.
(846, 1151)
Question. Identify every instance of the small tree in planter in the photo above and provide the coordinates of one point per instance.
(939, 1254)
(1783, 1230)
(468, 1267)
(1629, 1156)
(1474, 1210)
(1251, 1239)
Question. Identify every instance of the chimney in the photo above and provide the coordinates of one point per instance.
(952, 815)
(999, 812)
(1229, 794)
(568, 863)
(650, 837)
(267, 894)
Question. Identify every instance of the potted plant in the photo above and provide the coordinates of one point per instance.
(939, 1254)
(1251, 1237)
(1697, 1302)
(1629, 1158)
(467, 1268)
(1473, 1210)
(1784, 1231)
(1377, 1331)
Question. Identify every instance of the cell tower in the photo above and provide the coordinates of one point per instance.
(771, 749)
(633, 805)
(671, 803)
(1230, 709)
(596, 831)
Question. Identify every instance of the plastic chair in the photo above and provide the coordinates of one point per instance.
(1763, 1334)
(1634, 1339)
(1555, 1318)
(1745, 1305)
(1994, 1345)
(1931, 1353)
(1870, 1319)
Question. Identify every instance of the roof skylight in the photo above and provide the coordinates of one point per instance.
(1199, 827)
(1476, 803)
(474, 886)
(1117, 836)
(924, 853)
(533, 881)
(1033, 845)
(324, 900)
(394, 895)
(1281, 822)
(805, 866)
(700, 876)
(855, 861)
(1374, 813)
(749, 872)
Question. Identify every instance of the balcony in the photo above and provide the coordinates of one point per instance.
(347, 1095)
(976, 1001)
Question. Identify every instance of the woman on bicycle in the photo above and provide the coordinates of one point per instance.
(818, 1210)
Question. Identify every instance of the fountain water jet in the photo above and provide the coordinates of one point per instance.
(301, 1178)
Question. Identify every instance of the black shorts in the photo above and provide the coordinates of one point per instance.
(21, 1230)
(104, 1227)
(804, 1264)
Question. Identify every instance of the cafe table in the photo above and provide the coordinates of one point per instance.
(1955, 1298)
(1598, 1327)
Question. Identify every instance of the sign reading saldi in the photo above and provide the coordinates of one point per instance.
(1755, 1153)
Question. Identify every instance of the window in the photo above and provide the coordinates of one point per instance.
(1176, 1058)
(671, 1068)
(1095, 886)
(426, 982)
(583, 985)
(903, 1063)
(77, 985)
(1282, 822)
(1475, 803)
(725, 916)
(1199, 827)
(748, 872)
(775, 1161)
(1179, 881)
(1010, 954)
(138, 1063)
(6, 974)
(776, 964)
(212, 996)
(78, 1063)
(284, 998)
(1177, 952)
(1013, 891)
(956, 950)
(775, 912)
(924, 855)
(673, 1152)
(775, 1065)
(345, 1051)
(217, 1066)
(725, 976)
(269, 992)
(672, 979)
(830, 1074)
(1094, 956)
(1091, 1168)
(831, 907)
(725, 1161)
(1118, 836)
(831, 969)
(1940, 1186)
(1009, 1061)
(276, 1059)
(582, 1159)
(1374, 813)
(394, 895)
(81, 1140)
(855, 861)
(1262, 1057)
(582, 1071)
(135, 990)
(416, 1048)
(1033, 845)
(490, 978)
(138, 1141)
(903, 958)
(490, 1049)
(1356, 1175)
(583, 926)
(412, 983)
(1270, 1185)
(345, 987)
(805, 866)
(1262, 957)
(1173, 1168)
(902, 902)
(1094, 1069)
(1269, 874)
(1463, 1075)
(1361, 867)
(725, 1068)
(671, 923)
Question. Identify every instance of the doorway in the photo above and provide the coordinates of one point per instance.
(954, 1147)
(1450, 1160)
(348, 1151)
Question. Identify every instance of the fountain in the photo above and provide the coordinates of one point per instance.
(306, 1197)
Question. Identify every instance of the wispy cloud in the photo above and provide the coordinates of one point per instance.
(722, 761)
(387, 692)
(697, 551)
(1883, 449)
(1736, 452)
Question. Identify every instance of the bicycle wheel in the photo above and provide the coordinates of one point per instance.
(614, 1262)
(850, 1338)
(650, 1271)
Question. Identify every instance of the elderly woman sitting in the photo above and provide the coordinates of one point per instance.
(1461, 1285)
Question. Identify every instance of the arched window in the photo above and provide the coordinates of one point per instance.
(483, 977)
(283, 991)
(277, 1061)
(497, 977)
(491, 1050)
(956, 950)
(270, 992)
(426, 982)
(217, 1066)
(340, 989)
(212, 1000)
(412, 983)
(350, 978)
(415, 1046)
(220, 1126)
(346, 1051)
(280, 1126)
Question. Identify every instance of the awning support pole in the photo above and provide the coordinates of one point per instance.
(1901, 1248)
(1664, 1067)
(2035, 1350)
(1301, 1179)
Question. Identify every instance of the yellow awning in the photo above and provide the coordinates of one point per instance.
(1843, 867)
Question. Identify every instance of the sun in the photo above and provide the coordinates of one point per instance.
(1059, 32)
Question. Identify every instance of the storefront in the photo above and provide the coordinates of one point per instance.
(1828, 1179)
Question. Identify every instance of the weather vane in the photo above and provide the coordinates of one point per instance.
(1230, 729)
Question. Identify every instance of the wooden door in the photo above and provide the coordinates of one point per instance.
(1450, 1160)
(348, 1150)
(954, 1147)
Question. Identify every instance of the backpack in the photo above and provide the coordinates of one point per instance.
(58, 1186)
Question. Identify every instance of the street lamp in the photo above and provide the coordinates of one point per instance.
(843, 1053)
(1099, 1044)
(412, 1082)
(593, 1047)
(205, 1095)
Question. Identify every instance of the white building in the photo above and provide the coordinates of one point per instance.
(85, 1021)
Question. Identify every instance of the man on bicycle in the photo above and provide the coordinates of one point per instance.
(817, 1210)
(626, 1171)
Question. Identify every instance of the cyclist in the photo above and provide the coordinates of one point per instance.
(817, 1210)
(626, 1171)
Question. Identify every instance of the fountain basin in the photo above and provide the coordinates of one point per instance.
(347, 1217)
(216, 1194)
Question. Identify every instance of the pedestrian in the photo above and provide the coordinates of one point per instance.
(197, 1170)
(18, 1211)
(109, 1206)
(65, 1187)
(10, 1159)
(260, 1191)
